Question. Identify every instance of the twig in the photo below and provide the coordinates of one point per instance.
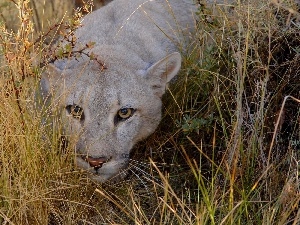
(277, 125)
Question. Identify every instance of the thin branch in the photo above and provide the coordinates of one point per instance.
(277, 125)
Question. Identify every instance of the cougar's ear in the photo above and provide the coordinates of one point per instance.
(49, 80)
(159, 74)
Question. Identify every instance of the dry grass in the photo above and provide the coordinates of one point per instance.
(43, 13)
(227, 150)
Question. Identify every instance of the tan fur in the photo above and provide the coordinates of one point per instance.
(138, 41)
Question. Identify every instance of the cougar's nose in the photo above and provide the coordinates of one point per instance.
(96, 163)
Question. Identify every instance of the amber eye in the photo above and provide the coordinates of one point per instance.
(125, 113)
(75, 110)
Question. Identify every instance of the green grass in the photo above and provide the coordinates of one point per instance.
(220, 155)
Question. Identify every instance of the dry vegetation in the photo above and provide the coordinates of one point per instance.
(227, 150)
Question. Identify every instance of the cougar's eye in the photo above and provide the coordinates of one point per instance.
(75, 110)
(124, 114)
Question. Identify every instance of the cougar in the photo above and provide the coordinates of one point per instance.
(109, 91)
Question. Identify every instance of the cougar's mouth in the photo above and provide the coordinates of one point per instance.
(102, 169)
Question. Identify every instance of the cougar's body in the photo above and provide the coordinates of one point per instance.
(110, 92)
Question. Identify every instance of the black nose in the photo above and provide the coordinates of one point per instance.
(96, 163)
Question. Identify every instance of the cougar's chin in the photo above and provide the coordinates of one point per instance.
(112, 170)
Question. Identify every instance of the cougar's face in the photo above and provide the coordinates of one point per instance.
(106, 114)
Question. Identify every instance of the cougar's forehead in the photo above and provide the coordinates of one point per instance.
(123, 90)
(98, 91)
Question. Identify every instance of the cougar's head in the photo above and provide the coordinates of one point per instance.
(106, 112)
